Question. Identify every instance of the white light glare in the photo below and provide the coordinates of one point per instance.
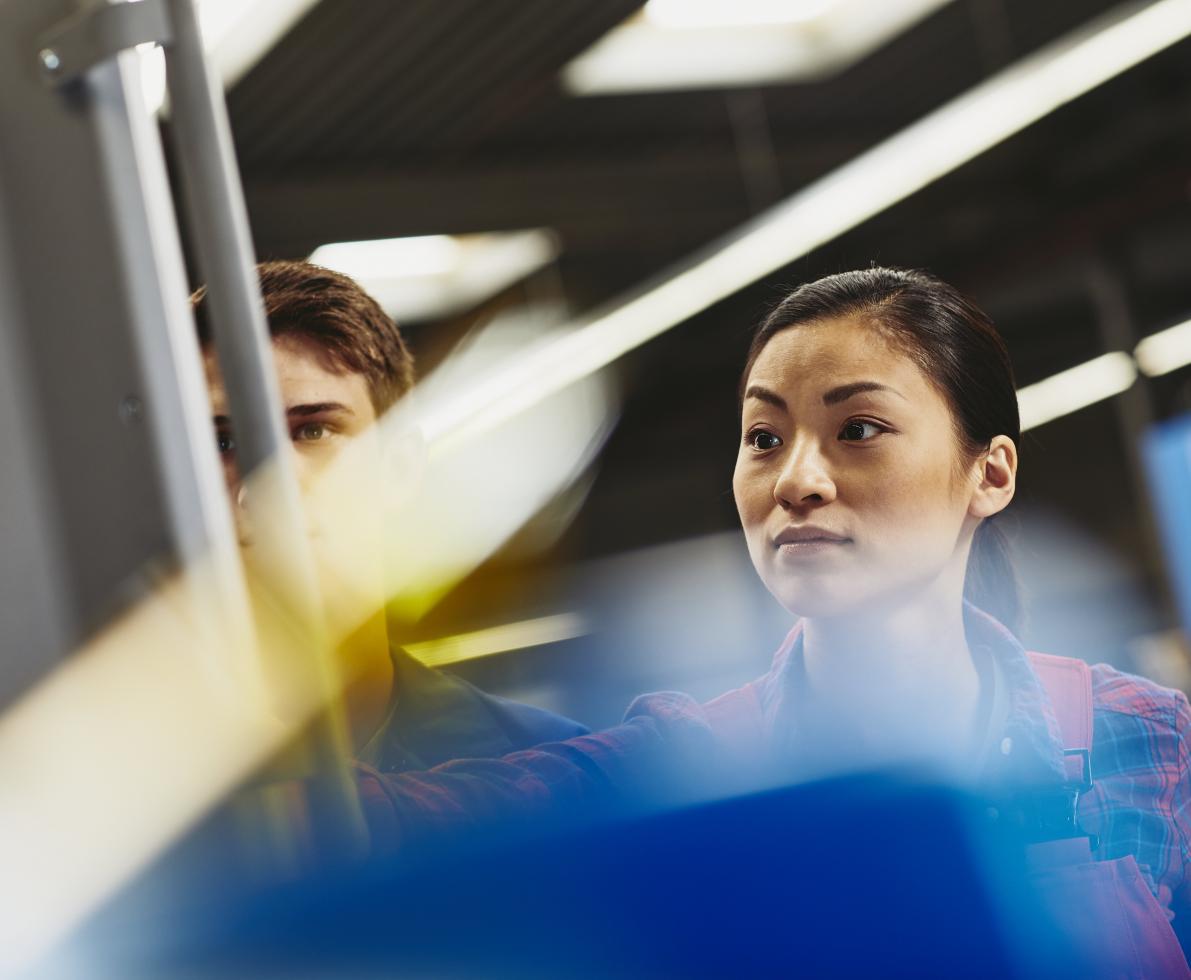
(152, 67)
(680, 14)
(1076, 388)
(1166, 351)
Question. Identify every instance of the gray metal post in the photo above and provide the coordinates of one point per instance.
(223, 248)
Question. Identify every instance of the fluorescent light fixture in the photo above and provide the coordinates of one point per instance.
(391, 258)
(1165, 351)
(932, 147)
(499, 639)
(432, 276)
(236, 35)
(680, 14)
(677, 44)
(1076, 388)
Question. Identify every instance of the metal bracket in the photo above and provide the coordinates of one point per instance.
(1085, 783)
(98, 33)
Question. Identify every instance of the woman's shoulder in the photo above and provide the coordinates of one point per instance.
(1115, 691)
(1118, 692)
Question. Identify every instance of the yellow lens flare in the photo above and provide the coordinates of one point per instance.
(499, 639)
(136, 735)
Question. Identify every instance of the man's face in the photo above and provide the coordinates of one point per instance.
(324, 409)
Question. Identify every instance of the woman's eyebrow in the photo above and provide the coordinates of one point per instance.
(842, 393)
(765, 395)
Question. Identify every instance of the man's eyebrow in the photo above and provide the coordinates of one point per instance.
(843, 392)
(765, 395)
(317, 408)
(298, 411)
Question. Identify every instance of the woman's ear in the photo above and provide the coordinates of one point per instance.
(996, 478)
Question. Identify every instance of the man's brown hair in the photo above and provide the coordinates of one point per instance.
(354, 333)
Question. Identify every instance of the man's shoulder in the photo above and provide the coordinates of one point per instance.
(437, 716)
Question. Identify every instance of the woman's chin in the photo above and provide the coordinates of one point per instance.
(817, 602)
(838, 596)
(830, 594)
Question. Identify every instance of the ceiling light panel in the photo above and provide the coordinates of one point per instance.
(687, 14)
(433, 276)
(682, 44)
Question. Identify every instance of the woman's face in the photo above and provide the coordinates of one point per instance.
(849, 480)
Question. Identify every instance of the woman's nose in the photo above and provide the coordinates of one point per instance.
(804, 479)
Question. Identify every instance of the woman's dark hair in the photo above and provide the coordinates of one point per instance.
(960, 352)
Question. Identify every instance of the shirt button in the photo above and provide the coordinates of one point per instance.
(1006, 745)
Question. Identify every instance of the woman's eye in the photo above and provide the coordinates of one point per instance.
(858, 431)
(225, 442)
(761, 440)
(309, 432)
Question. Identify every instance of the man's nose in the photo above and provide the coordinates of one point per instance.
(304, 471)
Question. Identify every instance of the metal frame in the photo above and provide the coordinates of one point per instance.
(121, 476)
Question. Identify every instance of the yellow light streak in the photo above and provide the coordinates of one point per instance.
(135, 736)
(499, 639)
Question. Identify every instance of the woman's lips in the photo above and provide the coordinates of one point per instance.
(808, 540)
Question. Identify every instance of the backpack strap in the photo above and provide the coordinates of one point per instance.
(1068, 684)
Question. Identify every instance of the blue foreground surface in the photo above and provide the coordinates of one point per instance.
(855, 877)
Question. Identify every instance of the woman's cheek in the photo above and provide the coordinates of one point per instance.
(753, 499)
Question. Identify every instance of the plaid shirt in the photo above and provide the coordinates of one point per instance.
(1140, 803)
(670, 745)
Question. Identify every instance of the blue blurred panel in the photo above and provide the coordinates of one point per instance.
(857, 877)
(1168, 462)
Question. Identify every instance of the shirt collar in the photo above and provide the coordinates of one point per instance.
(432, 717)
(1029, 749)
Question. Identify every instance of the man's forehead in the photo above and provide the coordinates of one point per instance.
(304, 375)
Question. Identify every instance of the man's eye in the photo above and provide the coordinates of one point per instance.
(309, 432)
(225, 442)
(858, 431)
(762, 440)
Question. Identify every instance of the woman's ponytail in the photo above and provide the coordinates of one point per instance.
(991, 583)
